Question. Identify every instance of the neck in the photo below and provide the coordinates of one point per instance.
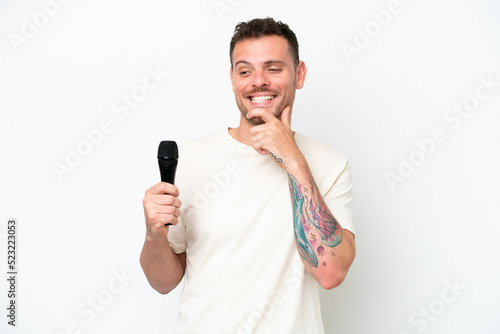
(242, 133)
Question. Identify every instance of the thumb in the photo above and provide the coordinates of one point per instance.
(286, 117)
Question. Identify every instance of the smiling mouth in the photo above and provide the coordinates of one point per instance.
(262, 98)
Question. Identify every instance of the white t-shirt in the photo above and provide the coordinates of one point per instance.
(243, 272)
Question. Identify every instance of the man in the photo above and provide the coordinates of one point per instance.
(252, 259)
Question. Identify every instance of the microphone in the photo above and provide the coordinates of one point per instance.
(168, 154)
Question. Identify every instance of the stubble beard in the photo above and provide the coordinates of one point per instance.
(287, 100)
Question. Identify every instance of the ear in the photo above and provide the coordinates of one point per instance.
(300, 75)
(232, 78)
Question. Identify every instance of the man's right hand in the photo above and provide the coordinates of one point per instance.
(163, 268)
(161, 206)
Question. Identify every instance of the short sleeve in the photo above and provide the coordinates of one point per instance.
(177, 235)
(339, 199)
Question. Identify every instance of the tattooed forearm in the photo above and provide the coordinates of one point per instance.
(303, 245)
(278, 160)
(314, 225)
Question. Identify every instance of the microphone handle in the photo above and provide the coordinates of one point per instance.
(167, 172)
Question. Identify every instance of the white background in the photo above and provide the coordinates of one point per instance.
(436, 227)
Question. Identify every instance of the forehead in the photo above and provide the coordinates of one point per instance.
(262, 49)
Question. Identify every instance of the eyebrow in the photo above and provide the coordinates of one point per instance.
(241, 62)
(269, 62)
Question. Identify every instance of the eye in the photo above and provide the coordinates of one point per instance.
(244, 73)
(275, 70)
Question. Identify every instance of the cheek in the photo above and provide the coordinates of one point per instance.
(234, 87)
(238, 88)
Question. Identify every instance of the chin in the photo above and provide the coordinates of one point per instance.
(255, 121)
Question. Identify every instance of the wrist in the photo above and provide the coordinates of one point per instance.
(296, 165)
(156, 239)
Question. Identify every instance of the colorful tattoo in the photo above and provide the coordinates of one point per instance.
(303, 246)
(326, 225)
(310, 214)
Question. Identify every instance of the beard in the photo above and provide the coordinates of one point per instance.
(286, 100)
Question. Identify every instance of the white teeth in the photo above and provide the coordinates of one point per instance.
(261, 98)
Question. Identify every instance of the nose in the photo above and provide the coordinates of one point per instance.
(260, 79)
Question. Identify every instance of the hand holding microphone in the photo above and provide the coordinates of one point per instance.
(161, 203)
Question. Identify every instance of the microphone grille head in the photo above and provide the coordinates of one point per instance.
(168, 150)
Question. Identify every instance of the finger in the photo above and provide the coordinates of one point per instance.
(259, 148)
(253, 112)
(266, 115)
(169, 210)
(164, 188)
(166, 200)
(164, 219)
(257, 145)
(155, 218)
(286, 117)
(158, 215)
(257, 140)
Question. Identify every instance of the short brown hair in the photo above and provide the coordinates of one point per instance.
(265, 27)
